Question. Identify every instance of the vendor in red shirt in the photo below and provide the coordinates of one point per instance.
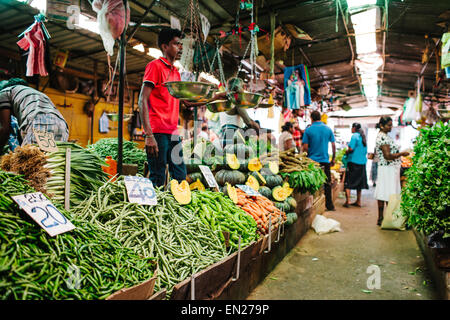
(160, 111)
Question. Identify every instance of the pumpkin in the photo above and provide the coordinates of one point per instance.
(197, 185)
(282, 206)
(244, 165)
(265, 191)
(291, 217)
(272, 167)
(181, 191)
(253, 183)
(289, 190)
(192, 165)
(194, 176)
(258, 177)
(291, 201)
(254, 164)
(231, 192)
(233, 177)
(241, 150)
(215, 163)
(279, 194)
(273, 181)
(232, 161)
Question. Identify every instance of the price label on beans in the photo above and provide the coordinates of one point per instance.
(212, 183)
(45, 141)
(140, 190)
(248, 190)
(41, 210)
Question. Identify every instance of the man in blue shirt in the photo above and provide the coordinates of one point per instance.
(315, 143)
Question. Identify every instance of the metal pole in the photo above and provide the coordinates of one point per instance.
(121, 90)
(195, 125)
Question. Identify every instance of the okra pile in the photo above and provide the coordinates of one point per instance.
(221, 214)
(169, 232)
(85, 263)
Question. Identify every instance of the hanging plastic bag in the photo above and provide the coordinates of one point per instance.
(393, 217)
(410, 112)
(111, 20)
(445, 51)
(324, 225)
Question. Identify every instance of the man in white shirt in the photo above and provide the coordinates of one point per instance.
(204, 133)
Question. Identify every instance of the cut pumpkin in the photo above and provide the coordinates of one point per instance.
(258, 177)
(273, 167)
(288, 188)
(232, 161)
(181, 191)
(231, 193)
(252, 183)
(254, 164)
(197, 185)
(279, 193)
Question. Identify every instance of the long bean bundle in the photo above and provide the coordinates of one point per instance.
(86, 173)
(218, 211)
(131, 154)
(171, 233)
(85, 263)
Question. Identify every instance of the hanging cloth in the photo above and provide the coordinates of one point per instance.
(34, 41)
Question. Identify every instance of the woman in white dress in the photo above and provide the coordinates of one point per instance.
(388, 175)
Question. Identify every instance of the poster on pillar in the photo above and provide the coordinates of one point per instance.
(297, 87)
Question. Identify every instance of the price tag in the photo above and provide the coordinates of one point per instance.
(140, 190)
(212, 183)
(248, 190)
(41, 210)
(45, 141)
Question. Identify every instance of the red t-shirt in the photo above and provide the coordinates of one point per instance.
(163, 109)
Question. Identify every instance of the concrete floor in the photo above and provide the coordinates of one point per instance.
(334, 266)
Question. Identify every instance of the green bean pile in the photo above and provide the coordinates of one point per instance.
(131, 154)
(172, 234)
(221, 214)
(34, 265)
(86, 174)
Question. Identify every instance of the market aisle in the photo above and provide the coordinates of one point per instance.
(333, 266)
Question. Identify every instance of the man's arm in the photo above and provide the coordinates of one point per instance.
(305, 147)
(247, 120)
(5, 126)
(151, 147)
(333, 148)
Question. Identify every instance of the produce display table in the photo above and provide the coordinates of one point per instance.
(256, 262)
(433, 258)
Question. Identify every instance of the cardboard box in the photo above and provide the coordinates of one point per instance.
(142, 291)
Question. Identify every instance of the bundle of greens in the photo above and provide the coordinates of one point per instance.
(171, 233)
(86, 174)
(426, 196)
(85, 263)
(131, 154)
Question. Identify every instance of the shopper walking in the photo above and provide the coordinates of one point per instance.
(33, 110)
(286, 140)
(388, 180)
(315, 142)
(297, 135)
(356, 175)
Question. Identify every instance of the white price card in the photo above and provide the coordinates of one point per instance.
(210, 179)
(41, 210)
(45, 141)
(140, 190)
(248, 190)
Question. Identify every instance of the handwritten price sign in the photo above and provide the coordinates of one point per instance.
(45, 141)
(212, 183)
(41, 210)
(140, 190)
(248, 190)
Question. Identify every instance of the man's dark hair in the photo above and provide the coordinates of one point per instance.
(13, 82)
(204, 127)
(166, 35)
(315, 116)
(384, 121)
(287, 126)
